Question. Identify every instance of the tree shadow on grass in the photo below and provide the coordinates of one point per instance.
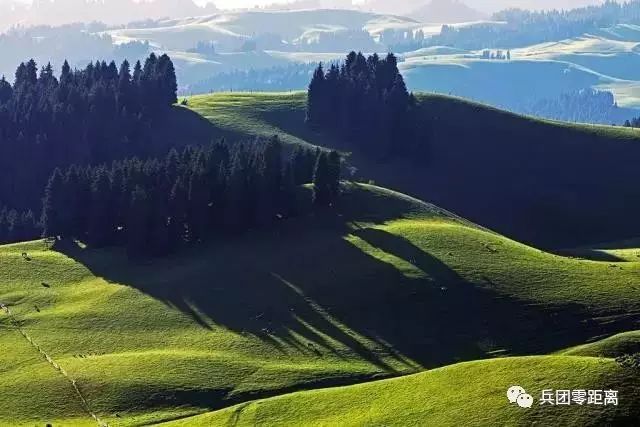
(475, 320)
(315, 291)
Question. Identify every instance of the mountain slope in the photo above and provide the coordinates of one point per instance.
(385, 285)
(547, 183)
(447, 11)
(471, 393)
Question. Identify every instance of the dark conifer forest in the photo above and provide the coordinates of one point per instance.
(61, 132)
(88, 116)
(365, 101)
(155, 206)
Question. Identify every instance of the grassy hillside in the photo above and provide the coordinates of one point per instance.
(551, 184)
(453, 395)
(614, 346)
(386, 285)
(607, 59)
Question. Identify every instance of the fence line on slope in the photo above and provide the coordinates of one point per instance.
(55, 365)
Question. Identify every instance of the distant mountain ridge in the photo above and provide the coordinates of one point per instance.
(447, 11)
(58, 12)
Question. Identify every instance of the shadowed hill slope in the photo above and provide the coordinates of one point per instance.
(382, 286)
(472, 393)
(546, 183)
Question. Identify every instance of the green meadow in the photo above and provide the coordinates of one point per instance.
(386, 310)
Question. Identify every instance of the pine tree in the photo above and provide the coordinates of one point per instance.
(12, 219)
(198, 207)
(238, 206)
(53, 209)
(178, 201)
(137, 228)
(6, 91)
(168, 81)
(160, 238)
(289, 191)
(322, 181)
(333, 167)
(270, 181)
(316, 98)
(101, 224)
(4, 235)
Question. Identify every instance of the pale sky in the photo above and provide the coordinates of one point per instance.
(486, 5)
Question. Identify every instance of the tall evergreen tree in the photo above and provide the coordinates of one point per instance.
(316, 98)
(101, 224)
(6, 91)
(333, 171)
(138, 224)
(322, 181)
(54, 208)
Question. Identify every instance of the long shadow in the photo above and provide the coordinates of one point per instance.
(472, 320)
(257, 299)
(182, 127)
(590, 254)
(315, 291)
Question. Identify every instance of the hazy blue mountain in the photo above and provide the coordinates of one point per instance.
(47, 12)
(449, 11)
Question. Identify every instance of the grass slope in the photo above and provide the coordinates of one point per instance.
(449, 396)
(614, 346)
(386, 285)
(547, 183)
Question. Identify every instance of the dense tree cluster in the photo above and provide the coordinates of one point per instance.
(293, 76)
(155, 206)
(18, 226)
(633, 123)
(340, 41)
(523, 27)
(87, 116)
(581, 106)
(364, 100)
(498, 54)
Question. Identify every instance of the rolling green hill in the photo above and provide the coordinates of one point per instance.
(551, 184)
(383, 286)
(449, 396)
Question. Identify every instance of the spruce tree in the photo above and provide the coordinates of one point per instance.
(178, 200)
(54, 208)
(322, 181)
(3, 226)
(333, 167)
(101, 224)
(6, 91)
(159, 231)
(289, 191)
(198, 207)
(168, 82)
(316, 98)
(137, 229)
